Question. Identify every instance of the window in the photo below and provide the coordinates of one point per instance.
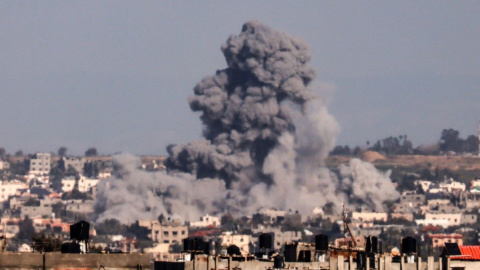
(183, 232)
(165, 233)
(174, 233)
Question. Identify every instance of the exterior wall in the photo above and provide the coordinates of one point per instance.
(285, 237)
(439, 240)
(362, 216)
(86, 184)
(169, 234)
(452, 219)
(273, 214)
(452, 185)
(4, 165)
(84, 207)
(437, 202)
(468, 219)
(408, 217)
(40, 163)
(242, 241)
(206, 221)
(43, 210)
(8, 189)
(425, 185)
(74, 162)
(68, 184)
(412, 200)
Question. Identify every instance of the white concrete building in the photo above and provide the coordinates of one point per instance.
(424, 184)
(452, 219)
(4, 165)
(86, 184)
(8, 189)
(369, 216)
(206, 221)
(68, 183)
(242, 241)
(452, 185)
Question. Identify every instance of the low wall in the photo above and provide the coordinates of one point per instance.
(59, 261)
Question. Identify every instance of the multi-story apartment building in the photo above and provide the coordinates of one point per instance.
(169, 234)
(74, 162)
(39, 164)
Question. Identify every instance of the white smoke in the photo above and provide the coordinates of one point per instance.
(266, 139)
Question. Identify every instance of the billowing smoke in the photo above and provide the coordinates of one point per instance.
(266, 136)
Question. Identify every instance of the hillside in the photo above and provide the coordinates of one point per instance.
(453, 163)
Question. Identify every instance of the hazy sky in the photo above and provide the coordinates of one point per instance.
(116, 75)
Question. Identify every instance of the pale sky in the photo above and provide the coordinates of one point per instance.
(116, 75)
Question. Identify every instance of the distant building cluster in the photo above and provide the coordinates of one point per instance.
(56, 191)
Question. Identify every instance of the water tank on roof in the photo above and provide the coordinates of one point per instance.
(265, 240)
(233, 250)
(290, 252)
(321, 242)
(278, 261)
(409, 245)
(80, 230)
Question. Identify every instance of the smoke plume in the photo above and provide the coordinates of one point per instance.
(266, 137)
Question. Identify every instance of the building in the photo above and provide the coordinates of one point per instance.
(86, 184)
(8, 189)
(68, 183)
(39, 164)
(206, 221)
(4, 165)
(43, 210)
(451, 219)
(370, 216)
(161, 252)
(242, 241)
(75, 163)
(84, 207)
(439, 240)
(273, 215)
(169, 234)
(452, 185)
(424, 184)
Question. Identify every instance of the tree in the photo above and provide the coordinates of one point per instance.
(62, 151)
(2, 152)
(110, 227)
(19, 153)
(450, 141)
(91, 152)
(470, 145)
(137, 231)
(57, 209)
(26, 229)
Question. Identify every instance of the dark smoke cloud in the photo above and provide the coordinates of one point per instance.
(241, 105)
(266, 136)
